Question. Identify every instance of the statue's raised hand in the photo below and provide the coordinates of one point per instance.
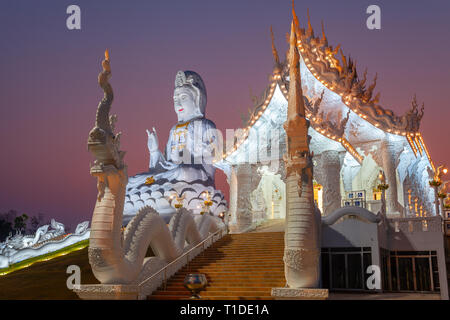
(152, 142)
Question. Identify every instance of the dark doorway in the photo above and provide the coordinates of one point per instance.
(413, 271)
(344, 268)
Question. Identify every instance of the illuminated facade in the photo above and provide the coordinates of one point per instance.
(352, 137)
(371, 173)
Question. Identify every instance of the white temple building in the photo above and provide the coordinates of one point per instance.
(362, 153)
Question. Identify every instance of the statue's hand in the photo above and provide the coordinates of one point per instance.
(152, 142)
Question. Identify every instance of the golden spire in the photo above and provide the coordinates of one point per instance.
(294, 17)
(274, 50)
(310, 29)
(324, 37)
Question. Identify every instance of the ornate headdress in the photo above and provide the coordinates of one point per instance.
(193, 81)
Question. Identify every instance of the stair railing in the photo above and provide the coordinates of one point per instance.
(179, 262)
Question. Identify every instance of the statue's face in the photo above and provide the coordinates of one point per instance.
(184, 104)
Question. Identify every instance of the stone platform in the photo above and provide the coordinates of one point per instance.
(299, 294)
(106, 292)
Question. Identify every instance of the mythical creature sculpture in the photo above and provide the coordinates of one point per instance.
(117, 258)
(313, 107)
(187, 166)
(82, 227)
(302, 234)
(19, 241)
(411, 119)
(40, 232)
(57, 227)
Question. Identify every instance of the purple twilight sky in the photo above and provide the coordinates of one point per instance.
(49, 91)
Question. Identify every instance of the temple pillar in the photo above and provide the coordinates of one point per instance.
(302, 243)
(389, 155)
(327, 172)
(241, 184)
(302, 227)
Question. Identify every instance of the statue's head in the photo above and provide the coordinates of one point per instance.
(189, 97)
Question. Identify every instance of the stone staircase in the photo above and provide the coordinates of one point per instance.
(238, 266)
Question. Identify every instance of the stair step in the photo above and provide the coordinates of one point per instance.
(236, 279)
(243, 272)
(215, 265)
(243, 254)
(258, 265)
(233, 262)
(223, 288)
(265, 292)
(177, 297)
(227, 286)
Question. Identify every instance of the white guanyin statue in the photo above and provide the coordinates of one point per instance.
(186, 169)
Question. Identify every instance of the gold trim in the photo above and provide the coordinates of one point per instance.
(182, 125)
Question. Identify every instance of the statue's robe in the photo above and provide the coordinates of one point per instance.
(187, 165)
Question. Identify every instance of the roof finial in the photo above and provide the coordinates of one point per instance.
(294, 17)
(274, 50)
(310, 29)
(324, 37)
(414, 102)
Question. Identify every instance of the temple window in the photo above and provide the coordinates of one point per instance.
(355, 199)
(376, 194)
(318, 195)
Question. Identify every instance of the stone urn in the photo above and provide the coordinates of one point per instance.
(195, 283)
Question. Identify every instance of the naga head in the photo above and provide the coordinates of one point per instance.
(189, 96)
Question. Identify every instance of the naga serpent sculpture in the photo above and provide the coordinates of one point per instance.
(117, 258)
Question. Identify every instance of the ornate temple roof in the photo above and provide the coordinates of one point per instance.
(341, 77)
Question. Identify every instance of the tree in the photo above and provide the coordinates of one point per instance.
(6, 223)
(5, 229)
(10, 215)
(20, 222)
(35, 222)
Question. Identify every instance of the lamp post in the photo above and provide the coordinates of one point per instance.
(383, 186)
(204, 208)
(436, 184)
(222, 216)
(208, 202)
(179, 200)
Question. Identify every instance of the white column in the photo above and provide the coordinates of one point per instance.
(327, 173)
(240, 189)
(389, 155)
